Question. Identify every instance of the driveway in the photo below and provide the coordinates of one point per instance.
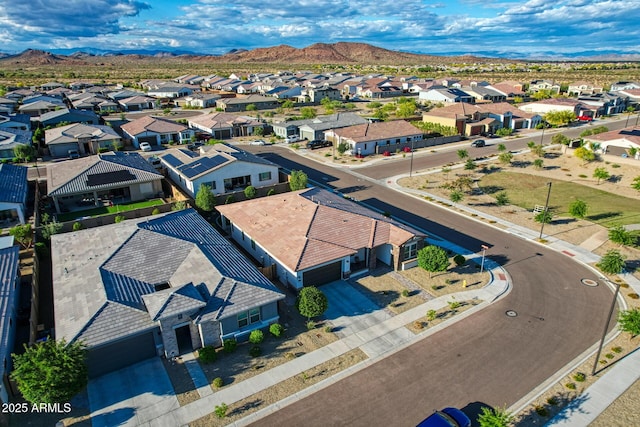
(350, 311)
(131, 396)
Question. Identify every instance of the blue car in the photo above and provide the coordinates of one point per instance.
(448, 417)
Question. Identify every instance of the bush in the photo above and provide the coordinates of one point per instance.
(229, 346)
(570, 386)
(634, 296)
(328, 329)
(207, 354)
(155, 211)
(617, 349)
(459, 260)
(579, 377)
(453, 305)
(256, 337)
(77, 226)
(431, 315)
(221, 410)
(405, 293)
(311, 325)
(271, 192)
(255, 351)
(119, 218)
(541, 410)
(276, 330)
(217, 382)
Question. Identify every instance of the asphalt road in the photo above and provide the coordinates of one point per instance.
(488, 357)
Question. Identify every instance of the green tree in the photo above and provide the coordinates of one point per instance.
(258, 131)
(297, 180)
(250, 192)
(433, 259)
(538, 163)
(288, 104)
(505, 158)
(544, 217)
(179, 205)
(24, 152)
(456, 196)
(308, 113)
(620, 235)
(470, 165)
(560, 139)
(502, 148)
(584, 154)
(531, 144)
(49, 227)
(504, 132)
(23, 234)
(636, 183)
(495, 417)
(611, 262)
(374, 105)
(502, 198)
(311, 302)
(578, 208)
(463, 154)
(559, 118)
(205, 199)
(446, 170)
(538, 150)
(51, 371)
(542, 94)
(343, 147)
(251, 107)
(600, 174)
(629, 321)
(406, 109)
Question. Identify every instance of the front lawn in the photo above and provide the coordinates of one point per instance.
(104, 210)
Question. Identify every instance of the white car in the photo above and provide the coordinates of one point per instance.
(258, 142)
(145, 146)
(292, 138)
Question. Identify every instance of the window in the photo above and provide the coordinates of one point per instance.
(243, 319)
(254, 315)
(264, 176)
(212, 185)
(410, 250)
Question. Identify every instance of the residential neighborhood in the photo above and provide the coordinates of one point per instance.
(157, 224)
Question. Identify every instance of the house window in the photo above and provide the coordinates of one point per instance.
(212, 185)
(264, 176)
(410, 250)
(243, 319)
(254, 315)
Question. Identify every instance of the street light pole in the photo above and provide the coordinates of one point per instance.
(542, 137)
(546, 207)
(411, 161)
(606, 325)
(484, 249)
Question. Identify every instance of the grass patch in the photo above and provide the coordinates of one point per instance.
(528, 190)
(104, 210)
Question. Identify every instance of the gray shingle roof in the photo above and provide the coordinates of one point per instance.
(105, 164)
(9, 259)
(106, 274)
(13, 183)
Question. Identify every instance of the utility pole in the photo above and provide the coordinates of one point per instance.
(484, 249)
(546, 208)
(606, 325)
(411, 161)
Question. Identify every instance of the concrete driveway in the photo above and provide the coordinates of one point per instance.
(132, 396)
(350, 311)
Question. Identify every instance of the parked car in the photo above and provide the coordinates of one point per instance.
(318, 143)
(258, 142)
(73, 154)
(478, 143)
(448, 417)
(585, 118)
(155, 162)
(145, 146)
(292, 138)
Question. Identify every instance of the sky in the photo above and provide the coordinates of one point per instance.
(502, 28)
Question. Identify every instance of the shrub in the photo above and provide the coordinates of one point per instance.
(553, 401)
(609, 356)
(256, 337)
(431, 315)
(328, 329)
(119, 218)
(255, 351)
(221, 410)
(570, 386)
(271, 192)
(229, 346)
(155, 211)
(634, 296)
(207, 354)
(217, 382)
(276, 329)
(459, 260)
(453, 304)
(541, 410)
(617, 349)
(311, 325)
(405, 293)
(77, 226)
(579, 377)
(230, 199)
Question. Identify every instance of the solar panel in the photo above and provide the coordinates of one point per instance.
(109, 178)
(172, 160)
(201, 165)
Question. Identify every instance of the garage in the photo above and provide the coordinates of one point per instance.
(321, 275)
(119, 354)
(153, 140)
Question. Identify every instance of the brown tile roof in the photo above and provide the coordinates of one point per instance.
(222, 120)
(377, 131)
(631, 134)
(301, 233)
(152, 124)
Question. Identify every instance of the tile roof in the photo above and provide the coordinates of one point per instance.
(105, 278)
(64, 111)
(71, 133)
(314, 226)
(221, 120)
(631, 134)
(152, 124)
(107, 170)
(13, 183)
(376, 131)
(9, 265)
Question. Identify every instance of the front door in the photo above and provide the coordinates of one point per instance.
(183, 338)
